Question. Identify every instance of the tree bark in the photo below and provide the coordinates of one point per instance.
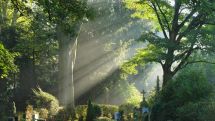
(167, 76)
(67, 58)
(64, 72)
(167, 73)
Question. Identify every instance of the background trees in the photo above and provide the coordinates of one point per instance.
(41, 34)
(40, 40)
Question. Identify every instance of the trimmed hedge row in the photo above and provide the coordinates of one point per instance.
(107, 110)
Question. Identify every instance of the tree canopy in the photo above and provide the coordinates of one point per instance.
(6, 62)
(186, 27)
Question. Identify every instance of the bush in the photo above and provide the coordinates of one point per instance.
(179, 99)
(90, 112)
(61, 115)
(45, 100)
(103, 119)
(97, 109)
(196, 112)
(29, 112)
(43, 113)
(127, 108)
(106, 110)
(126, 111)
(93, 111)
(81, 110)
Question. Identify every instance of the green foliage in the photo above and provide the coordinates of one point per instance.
(6, 62)
(190, 85)
(106, 110)
(152, 98)
(61, 115)
(188, 90)
(182, 31)
(97, 109)
(140, 10)
(90, 112)
(43, 113)
(127, 108)
(199, 111)
(66, 13)
(94, 111)
(133, 95)
(143, 56)
(127, 93)
(81, 110)
(46, 100)
(103, 119)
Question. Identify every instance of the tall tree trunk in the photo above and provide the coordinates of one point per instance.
(167, 76)
(67, 58)
(64, 74)
(167, 73)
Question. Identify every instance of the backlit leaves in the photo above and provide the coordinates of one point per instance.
(6, 62)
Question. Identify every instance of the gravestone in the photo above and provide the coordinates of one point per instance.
(145, 110)
(117, 116)
(15, 118)
(11, 119)
(35, 117)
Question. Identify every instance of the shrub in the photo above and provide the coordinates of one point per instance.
(61, 115)
(127, 108)
(199, 111)
(81, 111)
(97, 109)
(29, 112)
(45, 100)
(103, 119)
(90, 112)
(43, 113)
(106, 110)
(179, 99)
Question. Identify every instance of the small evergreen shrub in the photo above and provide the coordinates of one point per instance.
(90, 112)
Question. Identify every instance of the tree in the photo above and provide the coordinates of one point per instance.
(184, 100)
(7, 66)
(186, 27)
(67, 17)
(6, 62)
